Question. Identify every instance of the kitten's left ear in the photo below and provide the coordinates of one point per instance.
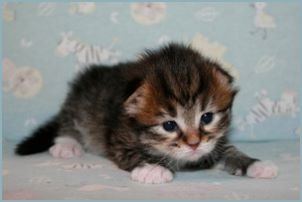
(142, 104)
(136, 101)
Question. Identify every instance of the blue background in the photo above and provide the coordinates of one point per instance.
(271, 64)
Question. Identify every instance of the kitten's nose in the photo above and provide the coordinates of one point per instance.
(192, 139)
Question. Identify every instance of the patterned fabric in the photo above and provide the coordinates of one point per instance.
(92, 177)
(45, 44)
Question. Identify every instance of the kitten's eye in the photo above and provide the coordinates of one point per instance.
(207, 118)
(170, 126)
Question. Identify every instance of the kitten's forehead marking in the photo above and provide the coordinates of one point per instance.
(209, 106)
(188, 118)
(181, 118)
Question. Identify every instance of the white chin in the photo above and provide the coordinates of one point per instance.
(194, 156)
(190, 155)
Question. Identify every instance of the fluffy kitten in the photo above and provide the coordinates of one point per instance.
(169, 110)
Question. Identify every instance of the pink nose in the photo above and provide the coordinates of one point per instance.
(194, 146)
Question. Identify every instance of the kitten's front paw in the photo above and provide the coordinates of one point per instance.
(66, 147)
(151, 174)
(262, 169)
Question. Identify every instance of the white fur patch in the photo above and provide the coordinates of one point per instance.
(262, 169)
(66, 147)
(151, 174)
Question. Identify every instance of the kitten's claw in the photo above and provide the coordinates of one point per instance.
(262, 169)
(66, 147)
(151, 174)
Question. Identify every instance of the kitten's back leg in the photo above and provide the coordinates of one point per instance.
(66, 147)
(68, 143)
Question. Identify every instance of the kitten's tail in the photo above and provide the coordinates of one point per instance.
(40, 140)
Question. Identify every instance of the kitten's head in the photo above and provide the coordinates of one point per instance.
(184, 103)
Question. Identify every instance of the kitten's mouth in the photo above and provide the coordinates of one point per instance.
(193, 153)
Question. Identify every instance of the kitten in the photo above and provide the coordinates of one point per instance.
(169, 110)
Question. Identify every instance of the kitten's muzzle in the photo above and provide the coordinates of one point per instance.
(192, 139)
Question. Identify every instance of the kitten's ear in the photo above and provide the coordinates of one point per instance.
(225, 80)
(142, 104)
(136, 100)
(223, 77)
